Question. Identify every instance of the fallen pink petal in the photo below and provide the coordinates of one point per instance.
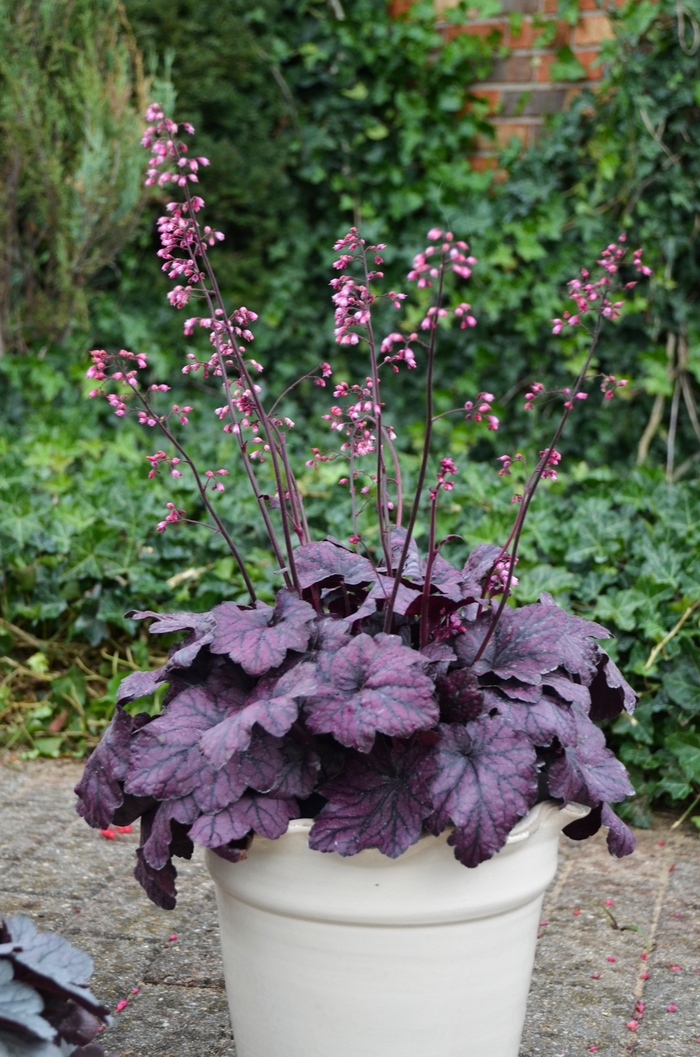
(644, 976)
(595, 976)
(612, 958)
(632, 1025)
(122, 1004)
(672, 1008)
(173, 937)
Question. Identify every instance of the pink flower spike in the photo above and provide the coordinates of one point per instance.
(672, 1008)
(121, 1004)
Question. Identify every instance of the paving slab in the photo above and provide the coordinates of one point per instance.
(619, 942)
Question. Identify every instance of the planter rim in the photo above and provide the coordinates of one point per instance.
(424, 886)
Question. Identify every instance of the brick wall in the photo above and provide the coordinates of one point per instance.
(521, 90)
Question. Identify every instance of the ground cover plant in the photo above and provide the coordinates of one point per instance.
(46, 1007)
(384, 692)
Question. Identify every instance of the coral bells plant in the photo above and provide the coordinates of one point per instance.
(386, 693)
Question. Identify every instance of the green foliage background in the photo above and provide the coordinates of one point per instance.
(316, 116)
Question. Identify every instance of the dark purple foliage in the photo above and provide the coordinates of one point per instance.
(318, 562)
(485, 781)
(380, 801)
(371, 685)
(258, 639)
(44, 996)
(531, 641)
(587, 772)
(278, 711)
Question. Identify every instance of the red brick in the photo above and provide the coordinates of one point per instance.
(490, 96)
(587, 59)
(483, 162)
(505, 130)
(516, 69)
(399, 7)
(474, 29)
(524, 37)
(592, 29)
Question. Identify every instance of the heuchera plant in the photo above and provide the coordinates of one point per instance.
(46, 1007)
(386, 693)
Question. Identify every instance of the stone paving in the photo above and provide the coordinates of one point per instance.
(588, 974)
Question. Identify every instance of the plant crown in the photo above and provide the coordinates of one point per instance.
(385, 693)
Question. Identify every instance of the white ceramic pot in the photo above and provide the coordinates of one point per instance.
(367, 956)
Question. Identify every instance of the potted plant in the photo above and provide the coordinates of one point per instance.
(387, 709)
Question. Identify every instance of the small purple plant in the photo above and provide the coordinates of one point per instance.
(46, 1008)
(386, 693)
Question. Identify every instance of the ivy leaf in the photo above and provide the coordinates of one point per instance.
(273, 704)
(21, 1005)
(588, 772)
(530, 641)
(267, 815)
(682, 682)
(369, 686)
(316, 562)
(610, 692)
(165, 623)
(379, 801)
(99, 790)
(258, 639)
(485, 781)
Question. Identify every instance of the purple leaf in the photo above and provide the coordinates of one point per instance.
(371, 685)
(477, 565)
(159, 885)
(299, 772)
(76, 1025)
(47, 960)
(257, 766)
(273, 704)
(542, 721)
(485, 782)
(269, 816)
(529, 693)
(316, 562)
(412, 568)
(379, 801)
(99, 790)
(621, 839)
(381, 592)
(164, 623)
(530, 641)
(156, 849)
(460, 696)
(329, 633)
(21, 1005)
(610, 692)
(588, 826)
(587, 772)
(165, 759)
(446, 579)
(140, 684)
(258, 639)
(567, 689)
